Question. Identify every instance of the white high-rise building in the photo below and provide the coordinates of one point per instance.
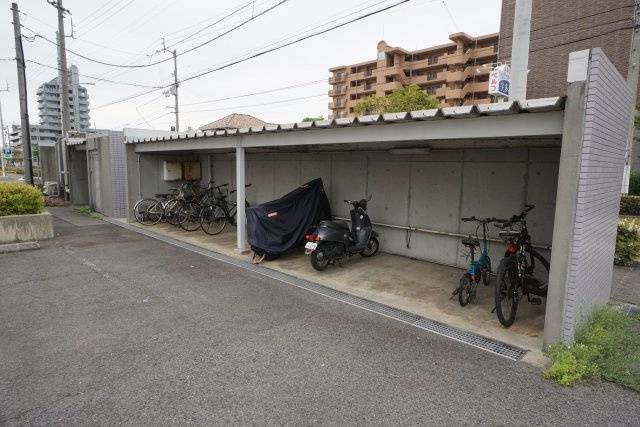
(49, 105)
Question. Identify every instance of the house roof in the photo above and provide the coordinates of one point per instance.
(436, 114)
(234, 121)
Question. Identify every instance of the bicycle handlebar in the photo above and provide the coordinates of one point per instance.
(503, 223)
(474, 219)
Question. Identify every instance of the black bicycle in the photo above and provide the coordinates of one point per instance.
(522, 271)
(215, 216)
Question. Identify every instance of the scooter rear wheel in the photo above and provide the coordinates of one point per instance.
(372, 248)
(464, 292)
(319, 260)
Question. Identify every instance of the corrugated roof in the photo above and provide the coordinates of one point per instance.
(446, 113)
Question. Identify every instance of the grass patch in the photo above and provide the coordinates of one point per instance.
(607, 346)
(86, 210)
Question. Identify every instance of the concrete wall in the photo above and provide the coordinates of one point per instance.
(598, 173)
(426, 191)
(26, 228)
(48, 163)
(79, 182)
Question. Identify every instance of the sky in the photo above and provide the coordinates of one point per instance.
(130, 32)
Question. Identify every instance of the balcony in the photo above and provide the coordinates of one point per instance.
(456, 58)
(441, 92)
(484, 52)
(337, 78)
(475, 87)
(385, 87)
(456, 76)
(454, 94)
(339, 91)
(334, 105)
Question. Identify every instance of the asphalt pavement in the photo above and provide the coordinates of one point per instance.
(105, 326)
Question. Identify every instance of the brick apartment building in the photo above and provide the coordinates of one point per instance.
(559, 27)
(457, 73)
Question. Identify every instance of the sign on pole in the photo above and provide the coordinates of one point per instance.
(7, 154)
(499, 80)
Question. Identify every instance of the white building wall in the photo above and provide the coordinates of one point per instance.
(600, 172)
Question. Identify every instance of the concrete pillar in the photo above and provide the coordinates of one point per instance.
(132, 165)
(566, 197)
(520, 50)
(241, 229)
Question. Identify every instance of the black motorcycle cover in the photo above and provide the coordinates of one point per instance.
(277, 226)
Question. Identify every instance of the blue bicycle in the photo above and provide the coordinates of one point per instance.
(478, 270)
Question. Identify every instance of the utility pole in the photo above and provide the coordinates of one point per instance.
(22, 91)
(520, 50)
(633, 148)
(2, 129)
(63, 82)
(174, 88)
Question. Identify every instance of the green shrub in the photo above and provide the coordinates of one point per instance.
(627, 242)
(19, 199)
(630, 205)
(634, 184)
(608, 346)
(571, 363)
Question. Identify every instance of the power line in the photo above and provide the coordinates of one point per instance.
(166, 59)
(453, 20)
(264, 52)
(583, 39)
(212, 24)
(98, 78)
(257, 105)
(295, 86)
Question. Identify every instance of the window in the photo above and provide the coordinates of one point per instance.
(432, 59)
(432, 75)
(430, 90)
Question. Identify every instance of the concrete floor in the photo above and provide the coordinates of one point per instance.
(415, 286)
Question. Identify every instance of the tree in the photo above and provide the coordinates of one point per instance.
(408, 98)
(313, 119)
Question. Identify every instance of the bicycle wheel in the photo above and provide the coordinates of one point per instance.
(464, 292)
(147, 211)
(171, 211)
(213, 220)
(189, 216)
(506, 291)
(537, 277)
(485, 274)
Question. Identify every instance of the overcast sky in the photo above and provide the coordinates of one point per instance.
(127, 31)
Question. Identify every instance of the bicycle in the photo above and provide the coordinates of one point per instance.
(523, 270)
(188, 214)
(478, 270)
(150, 211)
(215, 216)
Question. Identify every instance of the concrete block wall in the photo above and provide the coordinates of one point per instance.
(425, 191)
(117, 173)
(607, 109)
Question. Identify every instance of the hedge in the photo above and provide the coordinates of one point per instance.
(20, 199)
(630, 205)
(634, 184)
(627, 243)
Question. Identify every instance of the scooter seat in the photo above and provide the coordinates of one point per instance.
(470, 242)
(340, 225)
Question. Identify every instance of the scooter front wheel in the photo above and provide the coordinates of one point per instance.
(372, 248)
(319, 260)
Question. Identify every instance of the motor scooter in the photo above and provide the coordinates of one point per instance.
(333, 240)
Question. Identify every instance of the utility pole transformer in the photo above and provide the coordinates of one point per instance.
(63, 78)
(520, 50)
(22, 91)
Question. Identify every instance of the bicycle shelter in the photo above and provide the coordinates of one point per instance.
(427, 169)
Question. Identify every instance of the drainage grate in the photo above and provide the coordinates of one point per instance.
(483, 343)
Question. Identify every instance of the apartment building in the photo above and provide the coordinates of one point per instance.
(49, 105)
(456, 73)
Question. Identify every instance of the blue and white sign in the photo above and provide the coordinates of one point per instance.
(499, 79)
(7, 153)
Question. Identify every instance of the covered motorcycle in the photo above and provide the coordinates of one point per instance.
(279, 225)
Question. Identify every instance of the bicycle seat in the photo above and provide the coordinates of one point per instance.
(470, 242)
(335, 224)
